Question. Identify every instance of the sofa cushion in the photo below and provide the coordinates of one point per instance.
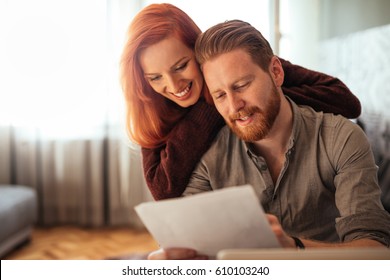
(18, 209)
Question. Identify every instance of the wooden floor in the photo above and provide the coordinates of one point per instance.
(73, 243)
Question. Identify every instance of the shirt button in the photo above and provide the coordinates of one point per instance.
(263, 167)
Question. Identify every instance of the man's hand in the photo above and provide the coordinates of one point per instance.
(288, 242)
(284, 240)
(176, 254)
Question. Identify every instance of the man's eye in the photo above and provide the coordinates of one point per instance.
(238, 87)
(220, 95)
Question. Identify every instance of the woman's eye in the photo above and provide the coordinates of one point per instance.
(181, 66)
(154, 79)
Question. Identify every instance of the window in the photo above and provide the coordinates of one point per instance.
(54, 64)
(60, 58)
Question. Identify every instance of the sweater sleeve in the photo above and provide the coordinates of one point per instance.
(167, 169)
(319, 91)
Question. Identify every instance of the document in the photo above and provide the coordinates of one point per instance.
(209, 222)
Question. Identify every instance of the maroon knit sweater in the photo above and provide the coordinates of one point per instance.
(168, 169)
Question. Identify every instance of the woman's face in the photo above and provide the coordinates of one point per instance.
(171, 69)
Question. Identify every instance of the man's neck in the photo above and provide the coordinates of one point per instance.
(274, 147)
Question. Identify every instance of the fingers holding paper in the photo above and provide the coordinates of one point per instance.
(285, 240)
(191, 254)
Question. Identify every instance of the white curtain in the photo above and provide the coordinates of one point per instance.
(61, 110)
(61, 106)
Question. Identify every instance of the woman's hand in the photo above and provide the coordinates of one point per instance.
(176, 254)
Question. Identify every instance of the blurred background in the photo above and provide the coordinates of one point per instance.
(61, 109)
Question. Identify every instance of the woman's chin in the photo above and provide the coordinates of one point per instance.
(187, 102)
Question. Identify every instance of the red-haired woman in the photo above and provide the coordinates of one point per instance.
(164, 92)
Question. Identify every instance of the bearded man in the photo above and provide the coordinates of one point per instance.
(314, 173)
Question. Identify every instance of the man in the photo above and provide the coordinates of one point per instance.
(313, 172)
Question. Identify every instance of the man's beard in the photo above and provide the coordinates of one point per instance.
(263, 121)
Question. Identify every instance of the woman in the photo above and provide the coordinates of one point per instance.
(167, 114)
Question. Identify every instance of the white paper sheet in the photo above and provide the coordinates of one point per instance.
(209, 222)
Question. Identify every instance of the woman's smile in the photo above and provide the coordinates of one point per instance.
(185, 93)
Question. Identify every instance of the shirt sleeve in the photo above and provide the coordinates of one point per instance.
(167, 169)
(357, 191)
(319, 91)
(199, 181)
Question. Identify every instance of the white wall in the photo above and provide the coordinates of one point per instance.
(341, 17)
(299, 26)
(305, 23)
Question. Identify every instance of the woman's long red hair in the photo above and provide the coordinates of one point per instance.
(150, 116)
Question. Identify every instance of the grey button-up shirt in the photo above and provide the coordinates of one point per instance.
(327, 189)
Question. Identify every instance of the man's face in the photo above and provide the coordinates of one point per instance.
(244, 94)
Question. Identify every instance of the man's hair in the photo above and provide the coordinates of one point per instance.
(230, 35)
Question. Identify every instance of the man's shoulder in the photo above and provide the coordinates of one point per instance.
(325, 120)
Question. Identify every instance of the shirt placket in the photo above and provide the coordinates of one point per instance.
(270, 200)
(267, 194)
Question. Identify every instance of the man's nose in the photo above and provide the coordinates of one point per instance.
(236, 103)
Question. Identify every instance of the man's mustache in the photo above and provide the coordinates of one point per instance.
(244, 113)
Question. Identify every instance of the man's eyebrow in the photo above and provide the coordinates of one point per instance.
(215, 91)
(246, 77)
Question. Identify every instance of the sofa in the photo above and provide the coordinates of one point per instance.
(362, 61)
(377, 129)
(18, 213)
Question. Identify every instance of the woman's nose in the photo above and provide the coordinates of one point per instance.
(172, 84)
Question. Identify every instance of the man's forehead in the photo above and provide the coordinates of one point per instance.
(227, 67)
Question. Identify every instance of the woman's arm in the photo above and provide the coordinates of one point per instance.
(318, 90)
(168, 169)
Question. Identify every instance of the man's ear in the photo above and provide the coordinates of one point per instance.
(276, 71)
